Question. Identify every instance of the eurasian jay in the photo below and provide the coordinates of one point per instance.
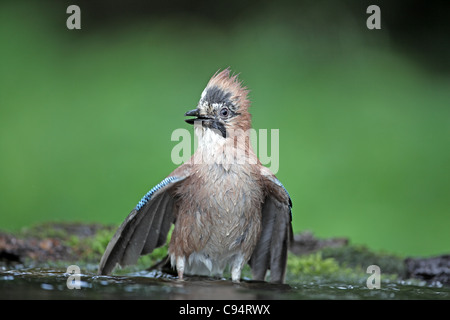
(226, 207)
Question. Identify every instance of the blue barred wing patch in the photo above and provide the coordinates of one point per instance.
(276, 181)
(160, 185)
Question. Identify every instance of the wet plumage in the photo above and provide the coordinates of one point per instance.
(227, 209)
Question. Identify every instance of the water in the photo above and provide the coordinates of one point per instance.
(51, 283)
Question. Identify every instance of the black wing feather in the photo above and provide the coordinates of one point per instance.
(272, 247)
(260, 260)
(144, 229)
(136, 243)
(280, 244)
(154, 232)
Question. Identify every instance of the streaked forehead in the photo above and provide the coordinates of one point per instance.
(216, 95)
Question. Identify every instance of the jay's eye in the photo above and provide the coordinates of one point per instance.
(224, 112)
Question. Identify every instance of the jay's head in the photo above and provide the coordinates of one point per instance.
(223, 106)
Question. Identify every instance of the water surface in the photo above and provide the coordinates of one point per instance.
(51, 283)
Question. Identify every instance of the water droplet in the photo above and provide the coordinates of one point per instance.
(47, 286)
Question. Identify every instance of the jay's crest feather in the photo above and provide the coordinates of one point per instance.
(226, 90)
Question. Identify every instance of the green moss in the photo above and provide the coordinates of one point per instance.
(89, 248)
(358, 256)
(101, 240)
(313, 264)
(45, 230)
(345, 264)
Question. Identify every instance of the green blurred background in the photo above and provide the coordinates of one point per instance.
(86, 116)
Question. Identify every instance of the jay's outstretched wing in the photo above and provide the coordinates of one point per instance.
(276, 233)
(145, 228)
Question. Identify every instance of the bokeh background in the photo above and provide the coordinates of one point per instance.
(86, 116)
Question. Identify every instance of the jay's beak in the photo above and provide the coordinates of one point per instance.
(194, 113)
